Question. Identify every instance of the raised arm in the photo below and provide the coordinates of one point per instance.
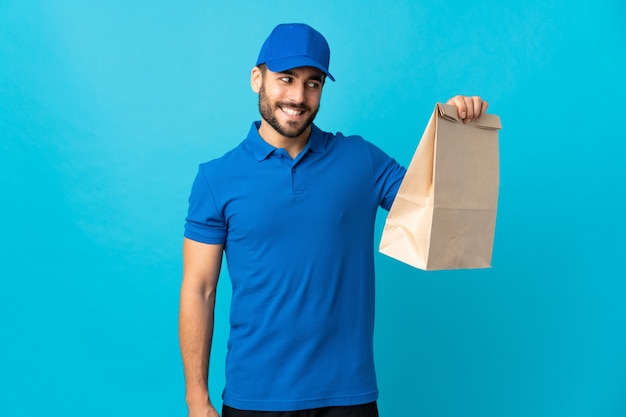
(201, 269)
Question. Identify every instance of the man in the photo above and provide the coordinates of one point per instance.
(293, 209)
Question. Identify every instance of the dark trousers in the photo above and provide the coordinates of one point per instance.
(364, 410)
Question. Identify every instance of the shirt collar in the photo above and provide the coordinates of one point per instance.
(261, 149)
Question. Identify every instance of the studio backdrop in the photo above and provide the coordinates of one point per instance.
(107, 108)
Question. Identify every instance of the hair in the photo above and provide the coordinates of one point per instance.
(263, 68)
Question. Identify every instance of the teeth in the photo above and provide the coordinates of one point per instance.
(291, 112)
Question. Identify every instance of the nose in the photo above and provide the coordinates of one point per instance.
(296, 93)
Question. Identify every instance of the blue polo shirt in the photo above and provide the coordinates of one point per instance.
(298, 237)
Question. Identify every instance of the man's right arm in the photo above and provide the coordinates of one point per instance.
(201, 268)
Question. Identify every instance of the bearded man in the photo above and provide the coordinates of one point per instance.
(293, 209)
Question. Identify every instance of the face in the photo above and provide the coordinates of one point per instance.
(289, 100)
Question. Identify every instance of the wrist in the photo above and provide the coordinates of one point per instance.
(197, 397)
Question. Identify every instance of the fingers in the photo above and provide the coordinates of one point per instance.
(469, 107)
(480, 106)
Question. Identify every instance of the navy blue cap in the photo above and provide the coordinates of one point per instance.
(294, 45)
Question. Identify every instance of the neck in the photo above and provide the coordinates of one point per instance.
(293, 146)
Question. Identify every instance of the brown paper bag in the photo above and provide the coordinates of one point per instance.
(444, 215)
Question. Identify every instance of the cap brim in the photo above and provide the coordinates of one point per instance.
(283, 64)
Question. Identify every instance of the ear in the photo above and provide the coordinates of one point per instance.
(256, 79)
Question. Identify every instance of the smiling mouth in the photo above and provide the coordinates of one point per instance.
(291, 112)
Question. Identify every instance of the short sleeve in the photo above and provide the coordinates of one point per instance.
(388, 175)
(205, 221)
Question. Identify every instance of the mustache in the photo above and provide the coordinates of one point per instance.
(298, 106)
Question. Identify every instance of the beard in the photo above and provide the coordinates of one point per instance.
(291, 129)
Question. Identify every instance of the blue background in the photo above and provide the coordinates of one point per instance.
(106, 108)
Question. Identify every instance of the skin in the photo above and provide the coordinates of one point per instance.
(470, 108)
(288, 102)
(201, 269)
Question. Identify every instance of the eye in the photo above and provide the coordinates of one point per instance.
(285, 79)
(313, 84)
